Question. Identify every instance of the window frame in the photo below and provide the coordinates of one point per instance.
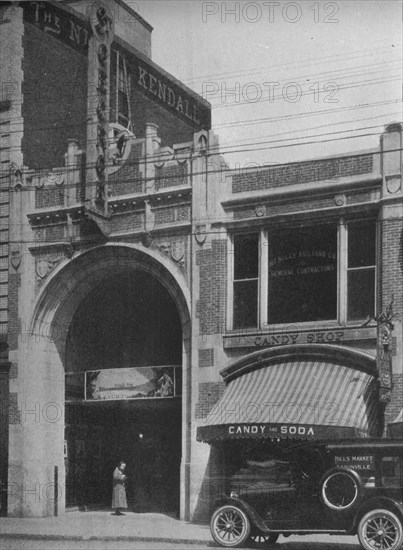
(121, 90)
(263, 298)
(362, 268)
(232, 280)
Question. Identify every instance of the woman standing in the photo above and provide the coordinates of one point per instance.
(119, 492)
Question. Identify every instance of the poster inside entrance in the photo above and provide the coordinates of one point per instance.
(130, 383)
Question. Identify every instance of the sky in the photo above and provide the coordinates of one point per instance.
(286, 80)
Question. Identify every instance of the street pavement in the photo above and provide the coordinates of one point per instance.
(93, 530)
(29, 544)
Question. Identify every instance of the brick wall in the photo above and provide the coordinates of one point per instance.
(392, 264)
(55, 99)
(210, 308)
(170, 176)
(391, 276)
(171, 215)
(302, 172)
(165, 215)
(128, 179)
(396, 405)
(206, 357)
(55, 233)
(209, 394)
(51, 233)
(126, 222)
(49, 197)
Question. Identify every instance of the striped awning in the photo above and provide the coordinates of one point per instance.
(301, 399)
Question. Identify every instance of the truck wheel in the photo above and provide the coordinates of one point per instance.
(380, 530)
(230, 526)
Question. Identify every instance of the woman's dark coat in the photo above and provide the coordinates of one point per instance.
(119, 491)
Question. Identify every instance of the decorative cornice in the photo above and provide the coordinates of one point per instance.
(121, 204)
(55, 215)
(315, 213)
(289, 193)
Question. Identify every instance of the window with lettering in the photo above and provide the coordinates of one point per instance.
(302, 275)
(310, 273)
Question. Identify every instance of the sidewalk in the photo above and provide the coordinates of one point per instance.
(105, 526)
(135, 527)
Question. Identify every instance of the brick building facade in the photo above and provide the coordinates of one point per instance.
(134, 254)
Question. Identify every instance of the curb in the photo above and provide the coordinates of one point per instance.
(105, 538)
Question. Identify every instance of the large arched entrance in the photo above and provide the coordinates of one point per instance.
(117, 324)
(126, 332)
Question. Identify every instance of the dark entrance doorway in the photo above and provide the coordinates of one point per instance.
(129, 321)
(145, 436)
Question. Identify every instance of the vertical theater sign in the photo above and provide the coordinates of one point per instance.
(98, 100)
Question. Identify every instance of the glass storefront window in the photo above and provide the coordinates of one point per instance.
(361, 244)
(324, 272)
(302, 275)
(361, 270)
(246, 277)
(361, 294)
